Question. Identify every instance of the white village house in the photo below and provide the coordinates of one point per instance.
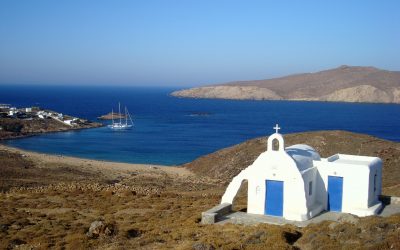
(297, 184)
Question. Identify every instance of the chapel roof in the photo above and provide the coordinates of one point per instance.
(303, 155)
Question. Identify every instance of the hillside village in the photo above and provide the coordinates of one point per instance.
(18, 122)
(29, 113)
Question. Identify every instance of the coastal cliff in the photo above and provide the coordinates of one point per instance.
(342, 84)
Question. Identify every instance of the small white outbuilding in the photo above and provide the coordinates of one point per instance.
(297, 184)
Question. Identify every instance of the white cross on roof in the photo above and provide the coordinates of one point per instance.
(276, 128)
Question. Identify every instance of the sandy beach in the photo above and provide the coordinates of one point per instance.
(111, 168)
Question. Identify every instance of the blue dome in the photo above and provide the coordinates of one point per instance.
(303, 155)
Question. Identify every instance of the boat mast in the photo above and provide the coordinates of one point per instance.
(130, 118)
(126, 117)
(112, 116)
(119, 112)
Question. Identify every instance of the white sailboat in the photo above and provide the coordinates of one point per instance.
(119, 125)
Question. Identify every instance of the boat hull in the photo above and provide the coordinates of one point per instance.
(120, 127)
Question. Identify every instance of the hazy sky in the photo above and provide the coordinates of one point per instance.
(186, 43)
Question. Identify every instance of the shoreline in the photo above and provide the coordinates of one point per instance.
(3, 143)
(78, 159)
(22, 136)
(278, 100)
(114, 168)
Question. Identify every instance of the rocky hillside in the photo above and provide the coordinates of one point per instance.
(343, 84)
(226, 163)
(55, 202)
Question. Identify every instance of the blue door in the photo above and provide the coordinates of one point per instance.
(274, 198)
(335, 193)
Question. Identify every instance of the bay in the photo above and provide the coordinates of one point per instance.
(172, 131)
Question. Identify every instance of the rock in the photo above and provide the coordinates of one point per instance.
(15, 242)
(16, 227)
(133, 233)
(292, 237)
(349, 218)
(255, 238)
(107, 231)
(202, 246)
(382, 225)
(99, 228)
(333, 225)
(4, 228)
(111, 116)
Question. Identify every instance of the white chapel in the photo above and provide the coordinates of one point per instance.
(297, 184)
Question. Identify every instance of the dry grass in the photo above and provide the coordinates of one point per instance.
(166, 220)
(150, 210)
(169, 219)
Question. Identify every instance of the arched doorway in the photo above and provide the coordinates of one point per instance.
(240, 201)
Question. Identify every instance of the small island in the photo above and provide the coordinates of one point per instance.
(22, 122)
(200, 114)
(112, 115)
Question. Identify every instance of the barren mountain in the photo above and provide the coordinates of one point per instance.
(343, 84)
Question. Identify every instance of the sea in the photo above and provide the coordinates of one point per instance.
(172, 131)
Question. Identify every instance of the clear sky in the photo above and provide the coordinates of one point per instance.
(187, 42)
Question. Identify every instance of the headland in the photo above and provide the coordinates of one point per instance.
(342, 84)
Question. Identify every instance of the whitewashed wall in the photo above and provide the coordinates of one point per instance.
(356, 184)
(359, 196)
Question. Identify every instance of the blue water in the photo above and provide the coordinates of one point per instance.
(167, 133)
